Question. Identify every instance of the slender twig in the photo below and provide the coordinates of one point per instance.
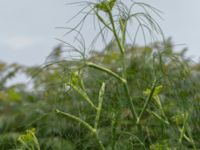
(88, 126)
(183, 127)
(103, 21)
(99, 108)
(147, 101)
(84, 95)
(113, 130)
(133, 111)
(121, 47)
(76, 119)
(108, 71)
(157, 116)
(115, 32)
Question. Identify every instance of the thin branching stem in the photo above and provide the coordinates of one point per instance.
(84, 95)
(122, 50)
(147, 101)
(99, 108)
(113, 130)
(115, 32)
(108, 71)
(103, 21)
(183, 127)
(133, 111)
(88, 126)
(76, 119)
(158, 117)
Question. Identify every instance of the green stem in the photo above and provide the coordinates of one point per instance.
(76, 119)
(103, 21)
(99, 141)
(84, 95)
(113, 130)
(123, 25)
(115, 32)
(36, 141)
(157, 116)
(124, 64)
(92, 65)
(189, 139)
(147, 101)
(183, 128)
(99, 108)
(89, 127)
(161, 108)
(134, 113)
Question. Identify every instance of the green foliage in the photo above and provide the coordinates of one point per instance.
(29, 140)
(163, 123)
(124, 97)
(105, 6)
(156, 91)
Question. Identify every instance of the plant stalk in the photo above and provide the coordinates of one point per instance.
(92, 65)
(89, 127)
(99, 108)
(121, 47)
(147, 101)
(115, 32)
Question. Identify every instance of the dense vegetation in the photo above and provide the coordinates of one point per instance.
(171, 119)
(124, 97)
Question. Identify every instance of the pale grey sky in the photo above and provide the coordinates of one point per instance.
(27, 28)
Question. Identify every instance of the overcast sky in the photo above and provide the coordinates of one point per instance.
(28, 27)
